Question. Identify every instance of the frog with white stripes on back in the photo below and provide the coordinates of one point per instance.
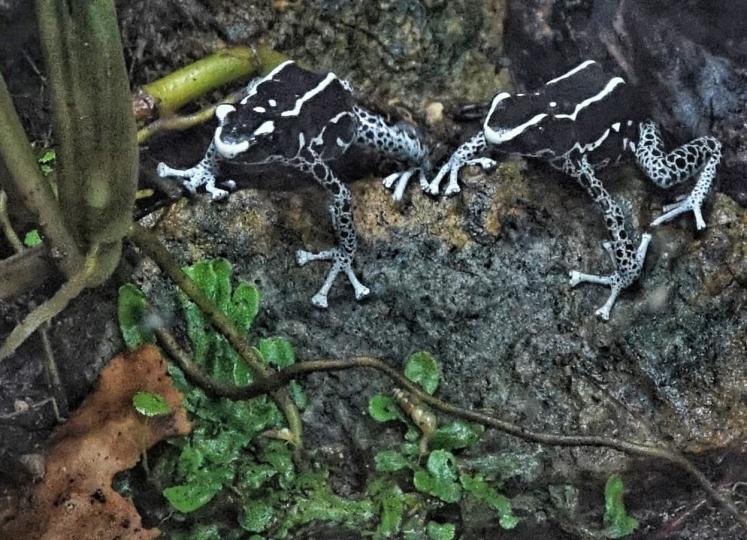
(580, 122)
(304, 120)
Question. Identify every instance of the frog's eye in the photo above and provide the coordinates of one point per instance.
(222, 110)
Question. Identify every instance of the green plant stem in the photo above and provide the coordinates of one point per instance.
(179, 123)
(281, 378)
(69, 290)
(10, 233)
(190, 82)
(151, 245)
(21, 179)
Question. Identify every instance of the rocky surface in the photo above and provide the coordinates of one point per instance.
(480, 280)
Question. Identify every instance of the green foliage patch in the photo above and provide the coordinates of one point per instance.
(617, 522)
(443, 479)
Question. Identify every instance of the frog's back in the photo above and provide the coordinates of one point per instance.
(584, 110)
(302, 105)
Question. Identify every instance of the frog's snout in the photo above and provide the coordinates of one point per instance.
(227, 148)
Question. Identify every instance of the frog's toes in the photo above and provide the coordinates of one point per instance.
(452, 189)
(673, 210)
(486, 164)
(165, 171)
(320, 300)
(216, 194)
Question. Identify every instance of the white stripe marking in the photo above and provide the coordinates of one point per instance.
(553, 104)
(269, 76)
(310, 94)
(266, 127)
(337, 117)
(572, 72)
(259, 109)
(616, 126)
(598, 97)
(272, 103)
(591, 146)
(504, 135)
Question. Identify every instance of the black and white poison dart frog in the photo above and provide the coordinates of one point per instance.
(304, 120)
(579, 122)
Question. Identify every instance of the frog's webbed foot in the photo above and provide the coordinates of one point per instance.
(452, 168)
(628, 270)
(465, 155)
(341, 262)
(688, 204)
(397, 182)
(202, 174)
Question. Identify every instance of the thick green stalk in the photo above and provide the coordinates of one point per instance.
(94, 126)
(184, 85)
(21, 179)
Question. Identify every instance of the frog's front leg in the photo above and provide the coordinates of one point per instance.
(466, 154)
(341, 213)
(202, 174)
(400, 142)
(699, 157)
(628, 260)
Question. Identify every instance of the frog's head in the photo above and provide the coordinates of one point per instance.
(511, 117)
(239, 130)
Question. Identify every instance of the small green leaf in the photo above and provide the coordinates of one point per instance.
(439, 479)
(280, 457)
(132, 308)
(150, 404)
(482, 491)
(32, 238)
(442, 465)
(392, 504)
(46, 162)
(244, 306)
(422, 368)
(616, 521)
(252, 476)
(390, 461)
(383, 408)
(440, 531)
(189, 497)
(257, 515)
(298, 395)
(277, 351)
(457, 434)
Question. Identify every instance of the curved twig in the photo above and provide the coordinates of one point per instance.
(281, 378)
(69, 290)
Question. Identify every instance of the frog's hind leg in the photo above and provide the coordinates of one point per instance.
(627, 260)
(400, 142)
(699, 158)
(341, 214)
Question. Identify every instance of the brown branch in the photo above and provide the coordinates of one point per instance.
(281, 378)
